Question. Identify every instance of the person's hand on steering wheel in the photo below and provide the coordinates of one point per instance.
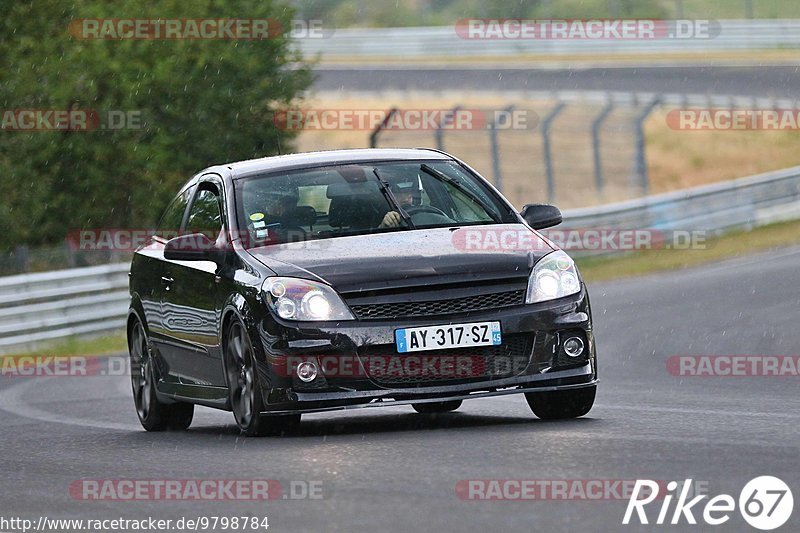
(392, 219)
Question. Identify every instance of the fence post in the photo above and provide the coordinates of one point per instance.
(495, 146)
(21, 253)
(599, 180)
(373, 138)
(641, 156)
(548, 156)
(446, 117)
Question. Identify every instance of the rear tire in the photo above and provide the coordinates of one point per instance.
(244, 389)
(557, 405)
(153, 414)
(436, 407)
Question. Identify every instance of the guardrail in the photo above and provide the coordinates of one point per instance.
(424, 42)
(744, 203)
(52, 305)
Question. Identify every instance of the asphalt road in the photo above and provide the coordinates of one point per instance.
(761, 81)
(393, 470)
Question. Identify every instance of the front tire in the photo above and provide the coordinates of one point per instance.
(561, 404)
(244, 389)
(436, 407)
(153, 414)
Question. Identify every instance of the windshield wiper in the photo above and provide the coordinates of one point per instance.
(387, 192)
(441, 176)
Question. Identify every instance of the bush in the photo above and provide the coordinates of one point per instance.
(200, 102)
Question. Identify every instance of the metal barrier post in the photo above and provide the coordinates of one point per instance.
(373, 138)
(599, 180)
(496, 169)
(548, 157)
(641, 156)
(446, 117)
(21, 255)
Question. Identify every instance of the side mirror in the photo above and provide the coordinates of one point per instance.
(193, 247)
(540, 216)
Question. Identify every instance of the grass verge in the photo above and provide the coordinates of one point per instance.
(727, 246)
(739, 58)
(112, 343)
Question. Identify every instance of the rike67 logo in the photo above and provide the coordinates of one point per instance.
(765, 503)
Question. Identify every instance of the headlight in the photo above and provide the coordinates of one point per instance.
(554, 276)
(300, 299)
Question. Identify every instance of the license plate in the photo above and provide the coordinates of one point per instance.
(449, 336)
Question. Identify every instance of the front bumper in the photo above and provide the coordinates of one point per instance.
(537, 331)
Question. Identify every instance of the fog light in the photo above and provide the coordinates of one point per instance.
(307, 371)
(286, 308)
(573, 347)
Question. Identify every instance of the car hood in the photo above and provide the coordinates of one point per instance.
(410, 258)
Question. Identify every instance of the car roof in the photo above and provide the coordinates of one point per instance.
(265, 165)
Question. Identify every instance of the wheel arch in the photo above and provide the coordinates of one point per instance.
(136, 312)
(238, 307)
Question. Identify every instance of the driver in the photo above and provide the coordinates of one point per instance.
(279, 206)
(274, 217)
(405, 198)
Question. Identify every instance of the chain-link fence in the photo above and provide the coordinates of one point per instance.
(563, 150)
(574, 149)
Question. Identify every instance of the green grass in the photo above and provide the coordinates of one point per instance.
(724, 247)
(101, 345)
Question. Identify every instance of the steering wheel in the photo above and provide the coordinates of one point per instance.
(414, 209)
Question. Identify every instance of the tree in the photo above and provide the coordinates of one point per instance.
(200, 102)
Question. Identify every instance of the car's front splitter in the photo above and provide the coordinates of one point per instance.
(315, 402)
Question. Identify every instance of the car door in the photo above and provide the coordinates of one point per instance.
(190, 307)
(151, 267)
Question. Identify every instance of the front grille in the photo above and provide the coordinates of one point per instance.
(439, 307)
(458, 365)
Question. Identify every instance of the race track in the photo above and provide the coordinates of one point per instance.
(393, 470)
(764, 81)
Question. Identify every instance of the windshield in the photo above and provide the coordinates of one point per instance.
(363, 198)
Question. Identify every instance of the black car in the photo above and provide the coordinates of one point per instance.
(353, 278)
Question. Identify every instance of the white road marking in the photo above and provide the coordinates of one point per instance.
(11, 401)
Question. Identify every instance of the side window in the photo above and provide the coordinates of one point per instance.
(170, 224)
(205, 215)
